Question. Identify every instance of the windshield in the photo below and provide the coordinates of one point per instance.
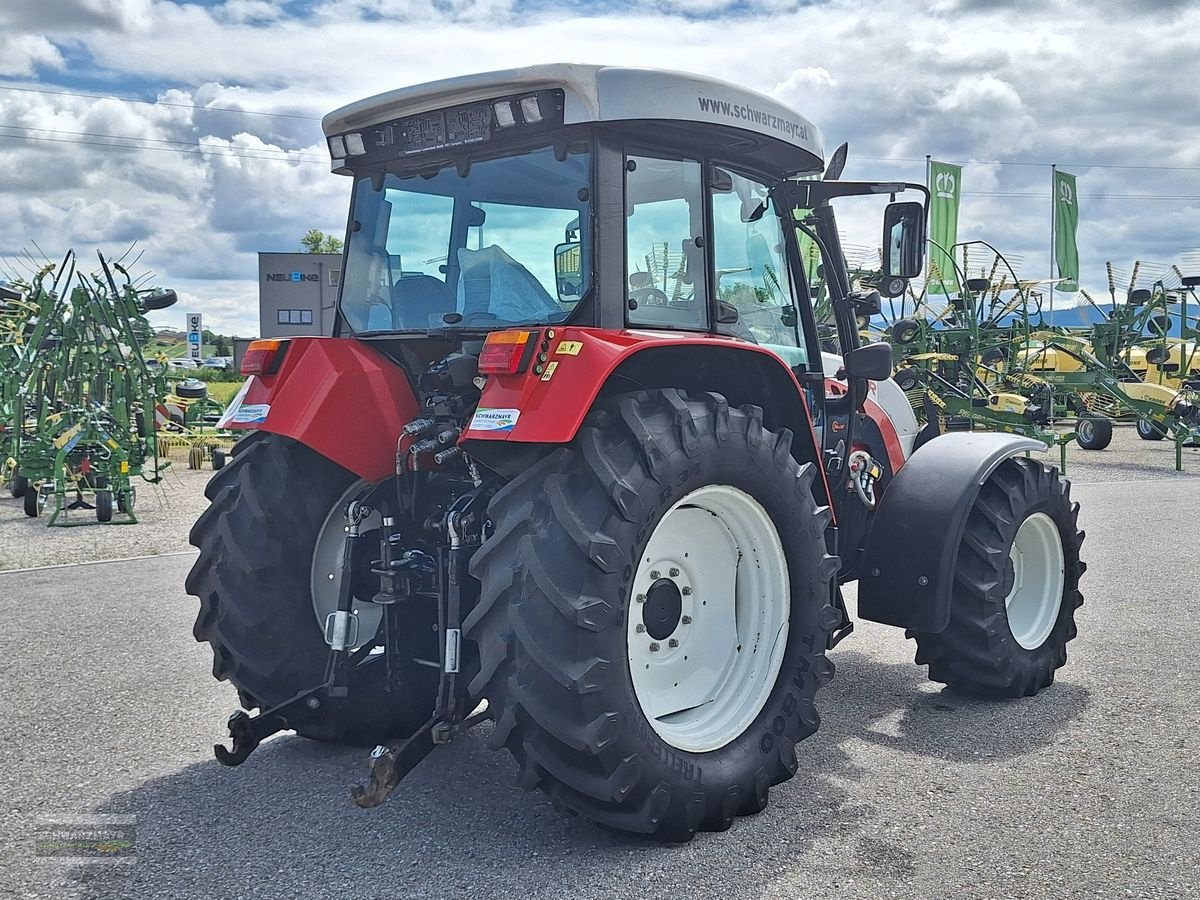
(505, 244)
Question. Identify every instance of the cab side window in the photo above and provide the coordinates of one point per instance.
(666, 281)
(751, 271)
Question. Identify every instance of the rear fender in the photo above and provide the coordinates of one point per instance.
(582, 365)
(908, 566)
(341, 397)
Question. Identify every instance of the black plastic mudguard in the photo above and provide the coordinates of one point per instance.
(908, 568)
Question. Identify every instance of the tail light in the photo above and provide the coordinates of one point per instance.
(507, 352)
(263, 357)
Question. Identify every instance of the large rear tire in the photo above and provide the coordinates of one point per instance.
(253, 578)
(618, 578)
(1016, 587)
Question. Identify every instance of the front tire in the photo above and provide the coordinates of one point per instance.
(1016, 587)
(253, 578)
(1149, 431)
(1093, 433)
(571, 570)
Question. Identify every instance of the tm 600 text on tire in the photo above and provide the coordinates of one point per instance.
(276, 511)
(654, 614)
(1016, 587)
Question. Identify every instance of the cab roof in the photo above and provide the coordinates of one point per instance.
(603, 94)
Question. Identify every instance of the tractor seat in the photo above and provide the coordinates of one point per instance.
(421, 300)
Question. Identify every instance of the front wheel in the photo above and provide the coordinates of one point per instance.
(1016, 587)
(1093, 433)
(1149, 431)
(18, 485)
(654, 614)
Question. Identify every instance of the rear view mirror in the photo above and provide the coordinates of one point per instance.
(568, 271)
(866, 303)
(872, 361)
(903, 240)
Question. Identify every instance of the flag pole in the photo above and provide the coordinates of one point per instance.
(1053, 234)
(929, 254)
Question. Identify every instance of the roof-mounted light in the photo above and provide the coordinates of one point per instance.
(531, 110)
(337, 148)
(504, 114)
(355, 145)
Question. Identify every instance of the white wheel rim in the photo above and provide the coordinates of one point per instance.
(326, 577)
(708, 621)
(1085, 430)
(1039, 575)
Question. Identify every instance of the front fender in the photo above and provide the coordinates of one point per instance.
(341, 397)
(908, 566)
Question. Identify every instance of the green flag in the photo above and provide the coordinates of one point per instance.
(945, 189)
(1066, 223)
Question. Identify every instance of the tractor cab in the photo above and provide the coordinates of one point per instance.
(624, 200)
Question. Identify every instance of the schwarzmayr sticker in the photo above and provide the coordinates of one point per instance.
(494, 419)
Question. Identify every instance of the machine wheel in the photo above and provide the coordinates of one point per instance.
(196, 458)
(254, 577)
(18, 485)
(1149, 431)
(1093, 433)
(218, 459)
(632, 644)
(32, 500)
(104, 505)
(908, 378)
(191, 389)
(126, 500)
(905, 331)
(1016, 587)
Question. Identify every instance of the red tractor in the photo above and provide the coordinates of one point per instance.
(579, 458)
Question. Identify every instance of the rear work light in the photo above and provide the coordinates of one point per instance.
(507, 352)
(263, 357)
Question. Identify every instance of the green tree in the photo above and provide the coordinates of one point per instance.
(319, 242)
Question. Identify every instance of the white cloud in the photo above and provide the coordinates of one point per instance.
(977, 81)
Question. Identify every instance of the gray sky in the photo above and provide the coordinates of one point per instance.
(1109, 91)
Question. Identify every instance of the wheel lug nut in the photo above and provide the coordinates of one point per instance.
(639, 628)
(674, 573)
(640, 598)
(654, 647)
(686, 591)
(655, 574)
(672, 643)
(686, 620)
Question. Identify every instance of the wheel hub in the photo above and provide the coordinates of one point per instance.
(663, 608)
(709, 614)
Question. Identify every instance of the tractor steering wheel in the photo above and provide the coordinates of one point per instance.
(651, 296)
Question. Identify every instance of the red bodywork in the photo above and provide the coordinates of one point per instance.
(339, 396)
(349, 402)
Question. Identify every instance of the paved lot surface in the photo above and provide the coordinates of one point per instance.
(1091, 789)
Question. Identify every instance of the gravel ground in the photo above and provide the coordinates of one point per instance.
(165, 512)
(1091, 789)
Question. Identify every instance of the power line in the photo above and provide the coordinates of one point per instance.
(198, 149)
(995, 162)
(1083, 196)
(229, 109)
(122, 137)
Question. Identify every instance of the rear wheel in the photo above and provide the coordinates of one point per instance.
(18, 485)
(1093, 433)
(32, 501)
(272, 508)
(1149, 431)
(104, 500)
(1016, 587)
(654, 614)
